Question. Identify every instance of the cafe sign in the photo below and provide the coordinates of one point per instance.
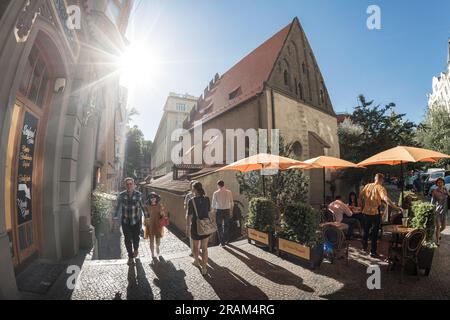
(25, 169)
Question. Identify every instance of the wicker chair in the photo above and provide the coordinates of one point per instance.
(409, 251)
(336, 238)
(326, 216)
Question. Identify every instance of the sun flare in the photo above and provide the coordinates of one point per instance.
(139, 64)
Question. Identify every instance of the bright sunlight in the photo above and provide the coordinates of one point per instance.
(139, 64)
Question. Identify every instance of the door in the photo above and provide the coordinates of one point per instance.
(25, 159)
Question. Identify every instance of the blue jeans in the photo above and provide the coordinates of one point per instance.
(223, 225)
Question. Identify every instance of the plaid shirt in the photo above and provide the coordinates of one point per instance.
(131, 208)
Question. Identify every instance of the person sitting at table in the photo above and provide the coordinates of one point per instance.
(343, 214)
(354, 206)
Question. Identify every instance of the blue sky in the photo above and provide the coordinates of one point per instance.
(192, 40)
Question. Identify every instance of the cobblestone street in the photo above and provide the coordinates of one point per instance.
(244, 271)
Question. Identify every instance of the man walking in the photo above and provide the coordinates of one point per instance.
(371, 198)
(222, 203)
(129, 204)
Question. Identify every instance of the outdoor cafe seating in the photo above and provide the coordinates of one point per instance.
(408, 251)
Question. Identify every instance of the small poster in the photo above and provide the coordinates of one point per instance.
(25, 168)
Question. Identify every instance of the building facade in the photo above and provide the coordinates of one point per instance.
(176, 109)
(440, 95)
(277, 86)
(58, 94)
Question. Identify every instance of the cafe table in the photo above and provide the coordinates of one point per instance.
(398, 232)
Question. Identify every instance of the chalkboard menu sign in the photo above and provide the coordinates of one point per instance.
(25, 168)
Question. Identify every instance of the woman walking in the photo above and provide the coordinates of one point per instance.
(198, 208)
(153, 227)
(439, 199)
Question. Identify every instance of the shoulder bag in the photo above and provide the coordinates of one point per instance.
(205, 227)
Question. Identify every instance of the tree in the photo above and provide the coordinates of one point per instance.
(133, 152)
(288, 187)
(369, 130)
(434, 132)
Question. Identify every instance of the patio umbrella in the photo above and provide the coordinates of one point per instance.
(400, 155)
(324, 162)
(262, 161)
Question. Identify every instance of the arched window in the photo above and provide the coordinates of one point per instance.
(322, 98)
(297, 150)
(35, 78)
(247, 146)
(300, 90)
(286, 77)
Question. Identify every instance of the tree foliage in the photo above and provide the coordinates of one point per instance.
(133, 152)
(371, 129)
(434, 132)
(283, 188)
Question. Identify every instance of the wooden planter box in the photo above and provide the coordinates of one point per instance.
(313, 255)
(260, 238)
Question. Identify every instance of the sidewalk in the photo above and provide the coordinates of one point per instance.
(244, 271)
(240, 271)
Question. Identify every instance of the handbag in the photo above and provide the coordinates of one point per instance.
(164, 222)
(205, 227)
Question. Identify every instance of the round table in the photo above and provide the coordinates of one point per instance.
(397, 229)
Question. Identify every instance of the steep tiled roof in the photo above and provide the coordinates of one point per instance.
(244, 80)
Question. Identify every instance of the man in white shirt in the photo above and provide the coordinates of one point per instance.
(222, 203)
(343, 214)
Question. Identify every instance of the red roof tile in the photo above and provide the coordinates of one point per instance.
(249, 74)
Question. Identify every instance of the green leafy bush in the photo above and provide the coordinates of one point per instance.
(261, 215)
(300, 223)
(101, 208)
(424, 218)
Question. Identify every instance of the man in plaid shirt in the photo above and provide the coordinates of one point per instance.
(129, 204)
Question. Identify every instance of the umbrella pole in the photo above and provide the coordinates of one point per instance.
(402, 181)
(324, 189)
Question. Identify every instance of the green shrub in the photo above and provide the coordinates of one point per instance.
(424, 218)
(409, 197)
(300, 223)
(261, 215)
(101, 208)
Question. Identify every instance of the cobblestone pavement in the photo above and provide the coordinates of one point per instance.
(112, 246)
(244, 271)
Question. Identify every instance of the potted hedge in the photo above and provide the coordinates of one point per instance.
(299, 236)
(261, 221)
(424, 215)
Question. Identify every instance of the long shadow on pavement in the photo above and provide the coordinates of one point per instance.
(138, 286)
(171, 281)
(230, 286)
(268, 270)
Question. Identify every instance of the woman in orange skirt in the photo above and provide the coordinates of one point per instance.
(153, 229)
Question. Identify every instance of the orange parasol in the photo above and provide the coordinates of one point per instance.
(262, 161)
(400, 155)
(324, 162)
